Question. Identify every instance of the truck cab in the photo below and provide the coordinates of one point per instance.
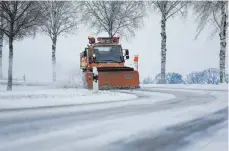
(106, 53)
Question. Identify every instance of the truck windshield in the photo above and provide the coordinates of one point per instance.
(108, 54)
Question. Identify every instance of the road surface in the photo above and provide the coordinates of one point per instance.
(171, 125)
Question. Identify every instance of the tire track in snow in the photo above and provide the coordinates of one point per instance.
(183, 98)
(99, 114)
(27, 127)
(173, 138)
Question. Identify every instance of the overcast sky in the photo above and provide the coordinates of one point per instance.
(32, 57)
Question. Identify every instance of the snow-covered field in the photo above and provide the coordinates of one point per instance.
(188, 86)
(156, 117)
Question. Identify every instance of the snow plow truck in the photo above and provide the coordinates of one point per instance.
(108, 57)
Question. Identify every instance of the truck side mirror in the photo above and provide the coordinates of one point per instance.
(90, 60)
(85, 52)
(126, 52)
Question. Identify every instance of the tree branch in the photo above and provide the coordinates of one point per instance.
(176, 10)
(213, 12)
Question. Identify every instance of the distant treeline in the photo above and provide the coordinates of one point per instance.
(208, 76)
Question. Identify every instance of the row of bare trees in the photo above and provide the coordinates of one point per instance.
(21, 19)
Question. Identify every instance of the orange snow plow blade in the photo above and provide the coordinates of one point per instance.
(118, 78)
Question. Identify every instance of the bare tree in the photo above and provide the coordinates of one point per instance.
(214, 13)
(1, 45)
(167, 9)
(113, 17)
(61, 17)
(20, 19)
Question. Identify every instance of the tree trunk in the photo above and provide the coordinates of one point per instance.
(223, 42)
(163, 49)
(110, 32)
(10, 69)
(1, 45)
(54, 58)
(1, 75)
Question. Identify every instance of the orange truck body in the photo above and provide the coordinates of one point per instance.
(111, 74)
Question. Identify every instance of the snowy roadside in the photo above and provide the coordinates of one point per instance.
(57, 97)
(49, 96)
(20, 83)
(20, 87)
(223, 87)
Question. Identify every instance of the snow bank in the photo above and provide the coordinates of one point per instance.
(87, 100)
(188, 86)
(55, 97)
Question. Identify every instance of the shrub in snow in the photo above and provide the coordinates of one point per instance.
(211, 76)
(208, 76)
(195, 78)
(171, 78)
(174, 78)
(147, 80)
(157, 79)
(226, 77)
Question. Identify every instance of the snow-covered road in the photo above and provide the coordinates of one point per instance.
(149, 119)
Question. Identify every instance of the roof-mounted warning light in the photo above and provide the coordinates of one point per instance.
(108, 39)
(99, 38)
(115, 39)
(91, 40)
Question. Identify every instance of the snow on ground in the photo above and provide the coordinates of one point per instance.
(17, 88)
(39, 96)
(188, 86)
(132, 127)
(217, 141)
(87, 105)
(28, 83)
(99, 133)
(55, 97)
(153, 123)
